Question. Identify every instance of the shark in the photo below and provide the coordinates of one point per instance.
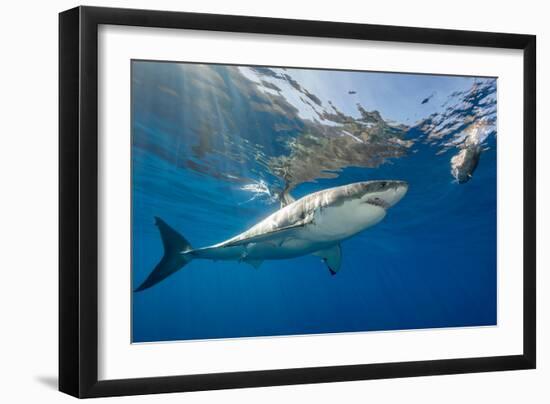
(314, 224)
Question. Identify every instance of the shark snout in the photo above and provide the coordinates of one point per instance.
(397, 192)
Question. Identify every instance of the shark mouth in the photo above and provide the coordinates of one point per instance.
(378, 202)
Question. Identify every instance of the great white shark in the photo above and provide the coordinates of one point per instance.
(314, 224)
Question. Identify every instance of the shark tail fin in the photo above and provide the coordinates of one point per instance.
(174, 245)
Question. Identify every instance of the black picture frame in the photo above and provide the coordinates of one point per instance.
(78, 201)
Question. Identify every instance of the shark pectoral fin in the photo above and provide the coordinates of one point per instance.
(255, 263)
(332, 257)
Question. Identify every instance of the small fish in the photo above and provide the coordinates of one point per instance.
(427, 99)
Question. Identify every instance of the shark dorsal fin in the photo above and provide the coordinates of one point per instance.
(286, 198)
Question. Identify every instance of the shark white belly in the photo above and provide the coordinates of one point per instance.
(314, 224)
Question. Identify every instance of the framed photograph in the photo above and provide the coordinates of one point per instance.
(250, 201)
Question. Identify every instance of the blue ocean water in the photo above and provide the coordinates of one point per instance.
(203, 156)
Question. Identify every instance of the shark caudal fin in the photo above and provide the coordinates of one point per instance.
(173, 259)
